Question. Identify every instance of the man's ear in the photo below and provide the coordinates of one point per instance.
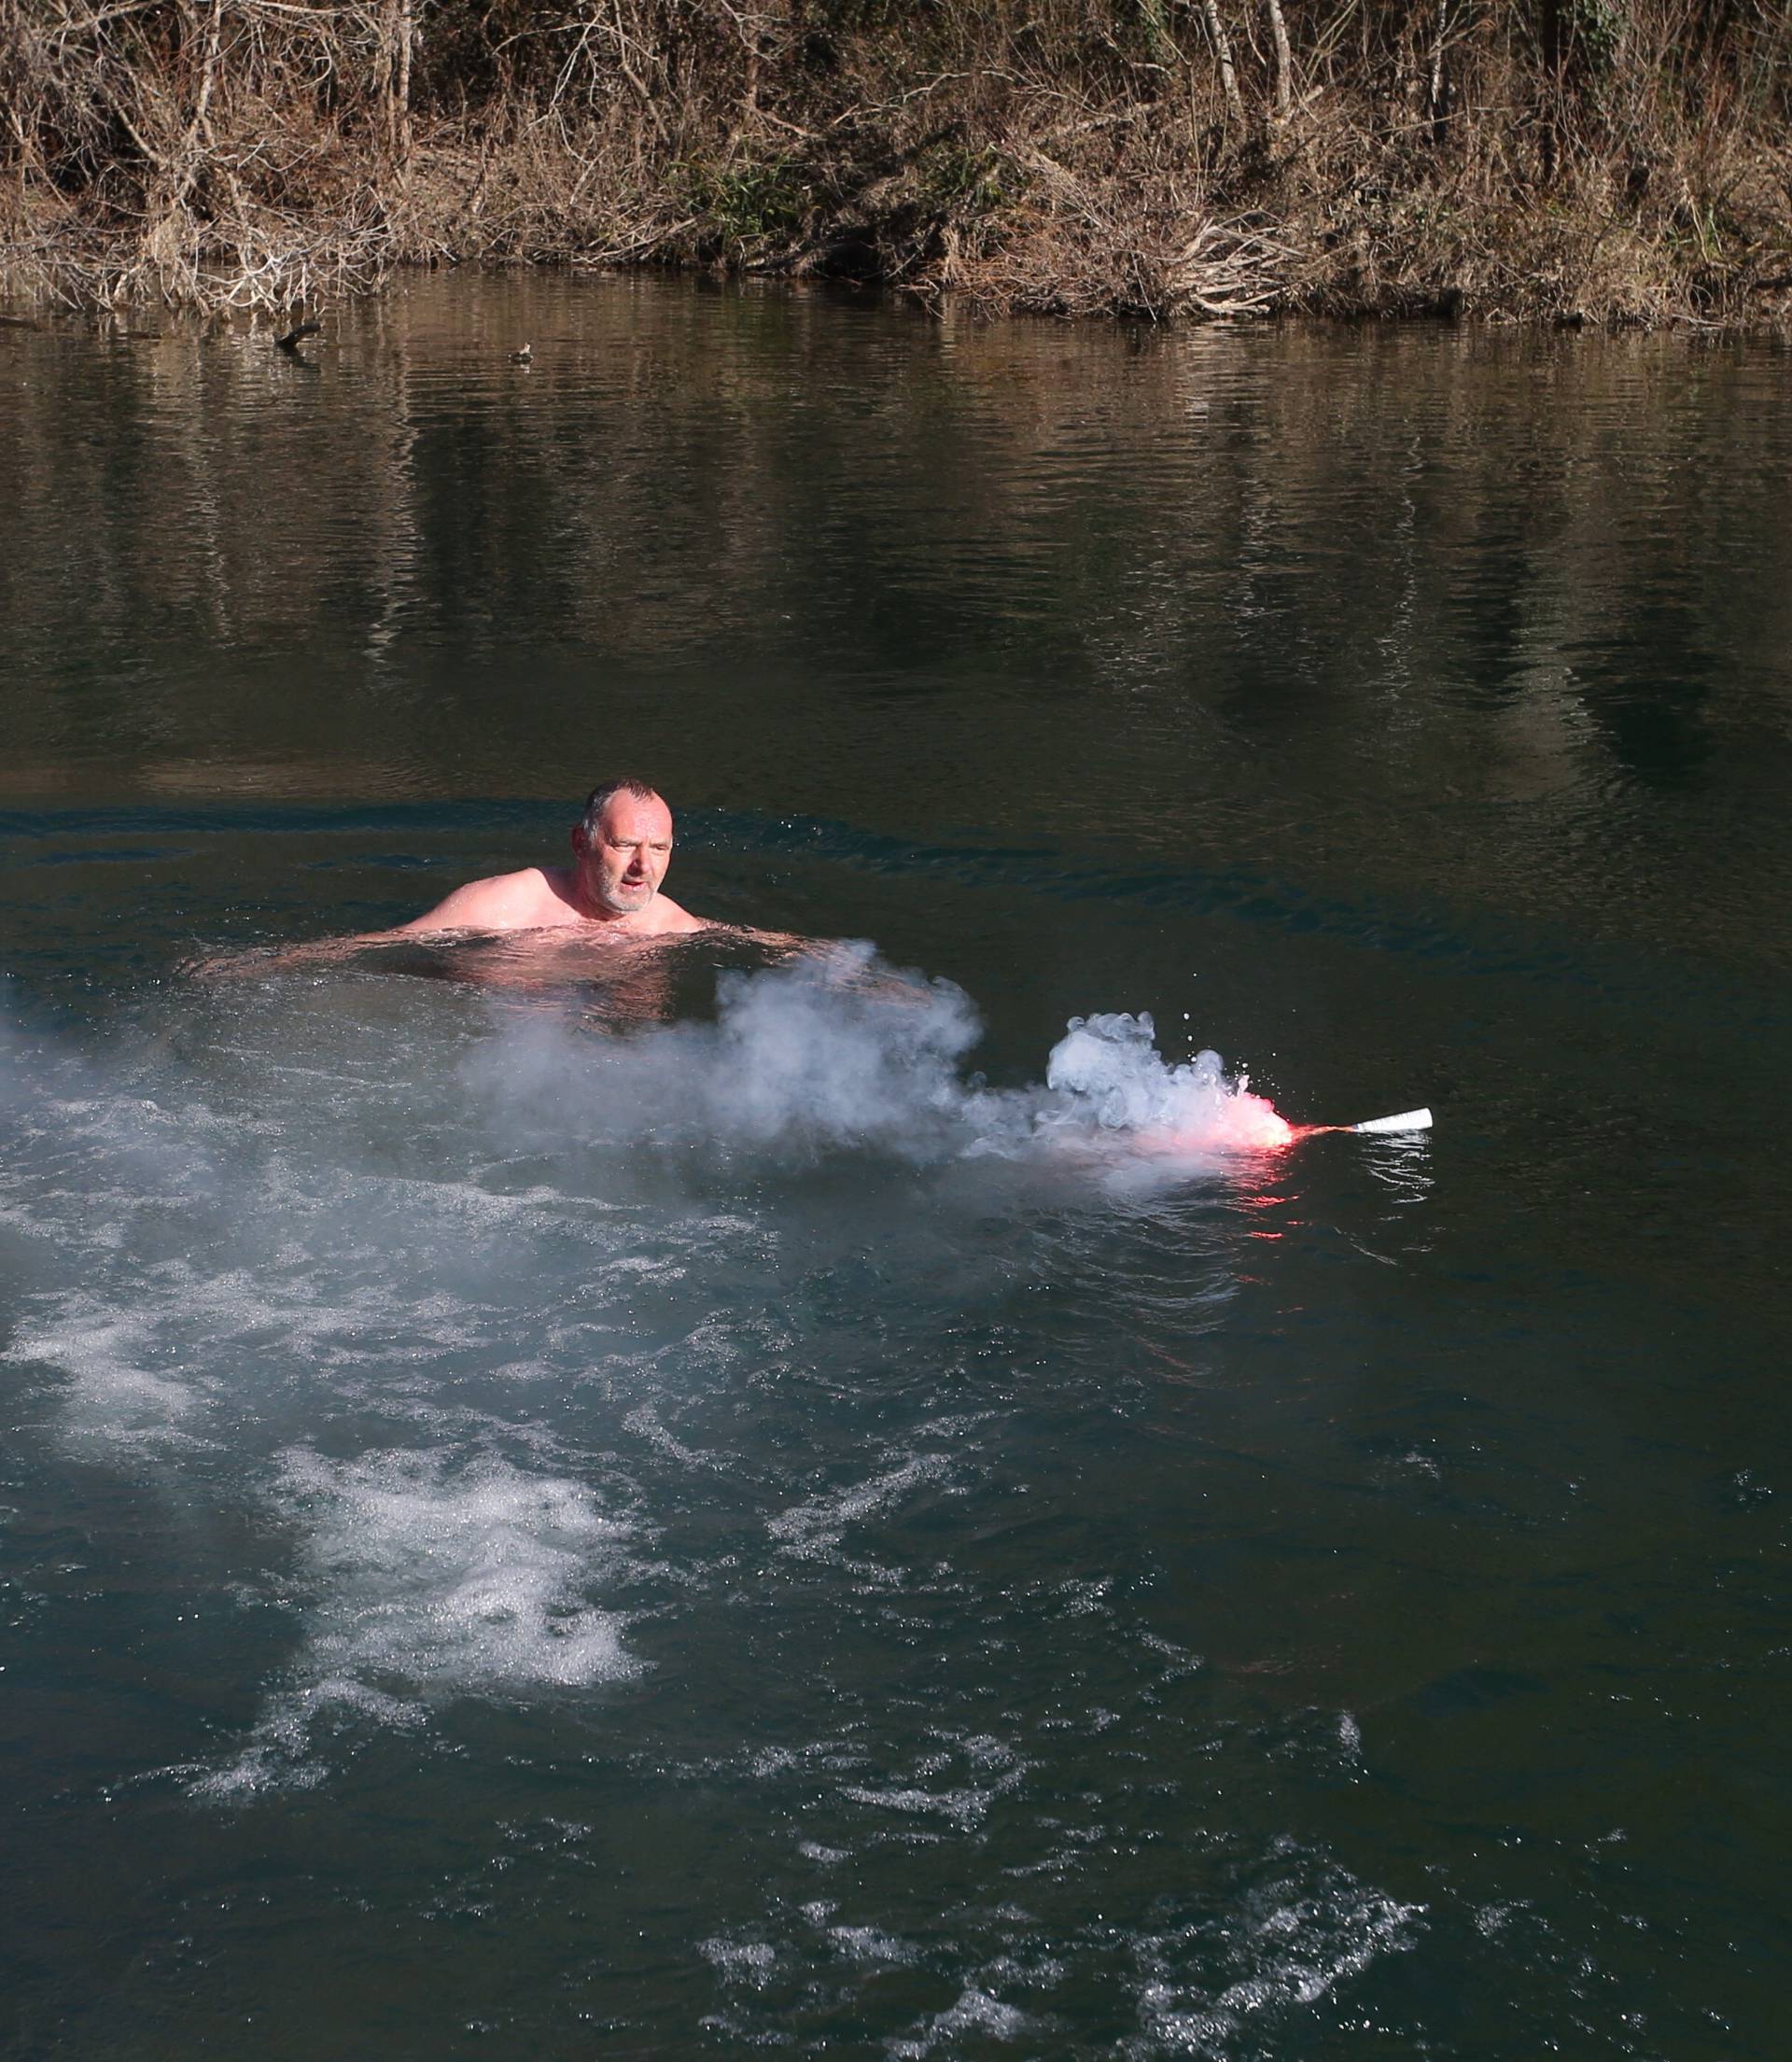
(578, 841)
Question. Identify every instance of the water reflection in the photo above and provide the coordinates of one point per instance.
(1176, 586)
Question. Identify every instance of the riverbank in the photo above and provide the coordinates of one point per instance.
(1567, 162)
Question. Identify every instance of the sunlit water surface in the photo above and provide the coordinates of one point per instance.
(681, 1502)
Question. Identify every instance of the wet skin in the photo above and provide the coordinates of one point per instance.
(611, 890)
(609, 896)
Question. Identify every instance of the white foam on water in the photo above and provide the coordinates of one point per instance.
(769, 1761)
(813, 1530)
(1294, 1942)
(870, 1944)
(748, 1962)
(111, 1397)
(428, 1576)
(975, 2012)
(167, 1355)
(644, 1422)
(966, 1808)
(279, 1755)
(465, 1577)
(963, 1805)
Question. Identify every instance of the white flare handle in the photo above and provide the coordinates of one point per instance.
(1407, 1120)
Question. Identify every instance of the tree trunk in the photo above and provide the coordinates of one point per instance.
(1551, 36)
(1223, 51)
(1438, 87)
(1284, 63)
(401, 36)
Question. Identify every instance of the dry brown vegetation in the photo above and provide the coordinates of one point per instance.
(1607, 160)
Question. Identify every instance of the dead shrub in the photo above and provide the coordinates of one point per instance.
(1616, 160)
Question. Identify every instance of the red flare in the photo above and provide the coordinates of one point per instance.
(1254, 1121)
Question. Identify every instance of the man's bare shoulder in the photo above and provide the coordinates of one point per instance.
(670, 919)
(524, 901)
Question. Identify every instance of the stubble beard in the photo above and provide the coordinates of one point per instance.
(625, 899)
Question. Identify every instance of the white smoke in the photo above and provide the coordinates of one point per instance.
(840, 1052)
(1109, 1069)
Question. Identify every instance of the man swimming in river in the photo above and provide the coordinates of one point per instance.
(622, 846)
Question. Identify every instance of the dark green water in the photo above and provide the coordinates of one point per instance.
(694, 1508)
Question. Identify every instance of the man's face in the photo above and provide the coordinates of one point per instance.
(624, 865)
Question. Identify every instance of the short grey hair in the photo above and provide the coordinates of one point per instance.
(601, 796)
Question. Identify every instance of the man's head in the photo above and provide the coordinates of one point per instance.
(622, 846)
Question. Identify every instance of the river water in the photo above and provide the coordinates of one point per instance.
(565, 1507)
